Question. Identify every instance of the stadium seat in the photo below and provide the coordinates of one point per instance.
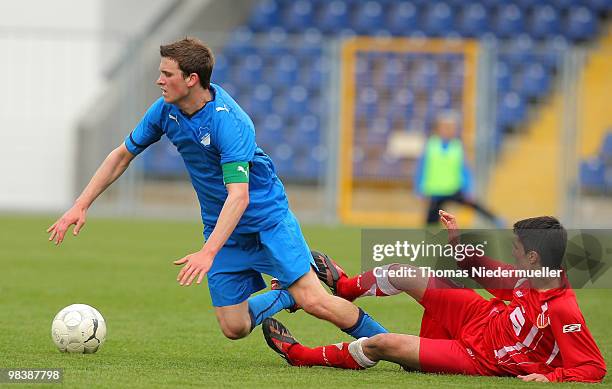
(284, 72)
(474, 20)
(545, 22)
(298, 16)
(581, 24)
(261, 101)
(509, 21)
(333, 17)
(274, 42)
(402, 18)
(438, 20)
(512, 110)
(240, 42)
(368, 17)
(534, 81)
(309, 43)
(251, 71)
(264, 15)
(601, 6)
(314, 72)
(503, 77)
(606, 148)
(519, 50)
(593, 175)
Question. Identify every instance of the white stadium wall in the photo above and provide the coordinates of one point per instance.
(53, 57)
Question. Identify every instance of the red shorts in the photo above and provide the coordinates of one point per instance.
(453, 317)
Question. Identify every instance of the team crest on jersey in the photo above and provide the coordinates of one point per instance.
(543, 320)
(204, 136)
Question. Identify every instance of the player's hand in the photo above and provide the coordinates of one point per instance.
(197, 265)
(450, 223)
(533, 377)
(75, 215)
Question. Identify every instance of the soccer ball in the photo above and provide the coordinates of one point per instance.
(78, 328)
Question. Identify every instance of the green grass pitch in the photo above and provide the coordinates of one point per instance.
(164, 335)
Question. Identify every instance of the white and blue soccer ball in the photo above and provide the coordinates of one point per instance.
(78, 328)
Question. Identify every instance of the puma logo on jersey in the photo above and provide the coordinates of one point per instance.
(173, 118)
(224, 108)
(241, 169)
(572, 328)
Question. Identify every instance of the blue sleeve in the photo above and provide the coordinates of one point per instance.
(234, 139)
(466, 179)
(418, 175)
(148, 130)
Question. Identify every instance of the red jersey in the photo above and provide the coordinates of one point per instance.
(540, 332)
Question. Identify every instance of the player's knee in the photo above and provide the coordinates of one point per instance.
(235, 331)
(383, 346)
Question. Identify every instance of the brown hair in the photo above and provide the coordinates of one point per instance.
(192, 56)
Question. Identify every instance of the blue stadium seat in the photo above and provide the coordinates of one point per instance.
(438, 20)
(264, 15)
(275, 42)
(606, 148)
(309, 43)
(474, 20)
(270, 129)
(562, 4)
(282, 154)
(299, 15)
(402, 18)
(240, 42)
(284, 72)
(545, 22)
(503, 77)
(393, 72)
(333, 17)
(368, 17)
(510, 21)
(314, 72)
(221, 69)
(581, 24)
(261, 101)
(426, 75)
(551, 52)
(519, 50)
(593, 175)
(535, 81)
(367, 101)
(512, 110)
(601, 6)
(251, 71)
(297, 100)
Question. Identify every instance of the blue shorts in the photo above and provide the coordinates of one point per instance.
(279, 251)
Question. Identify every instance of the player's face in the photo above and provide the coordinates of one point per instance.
(171, 81)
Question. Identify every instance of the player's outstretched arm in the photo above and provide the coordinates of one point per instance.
(113, 166)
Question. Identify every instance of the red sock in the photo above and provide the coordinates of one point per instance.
(364, 284)
(335, 355)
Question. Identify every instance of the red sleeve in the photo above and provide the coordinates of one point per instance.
(498, 287)
(580, 356)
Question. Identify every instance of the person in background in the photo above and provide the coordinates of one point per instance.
(442, 173)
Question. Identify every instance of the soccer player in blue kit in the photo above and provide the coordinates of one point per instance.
(248, 226)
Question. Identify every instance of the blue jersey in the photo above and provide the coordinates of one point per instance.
(221, 132)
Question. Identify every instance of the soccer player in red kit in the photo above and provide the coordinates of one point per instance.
(532, 328)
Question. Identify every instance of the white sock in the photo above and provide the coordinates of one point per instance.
(358, 355)
(384, 284)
